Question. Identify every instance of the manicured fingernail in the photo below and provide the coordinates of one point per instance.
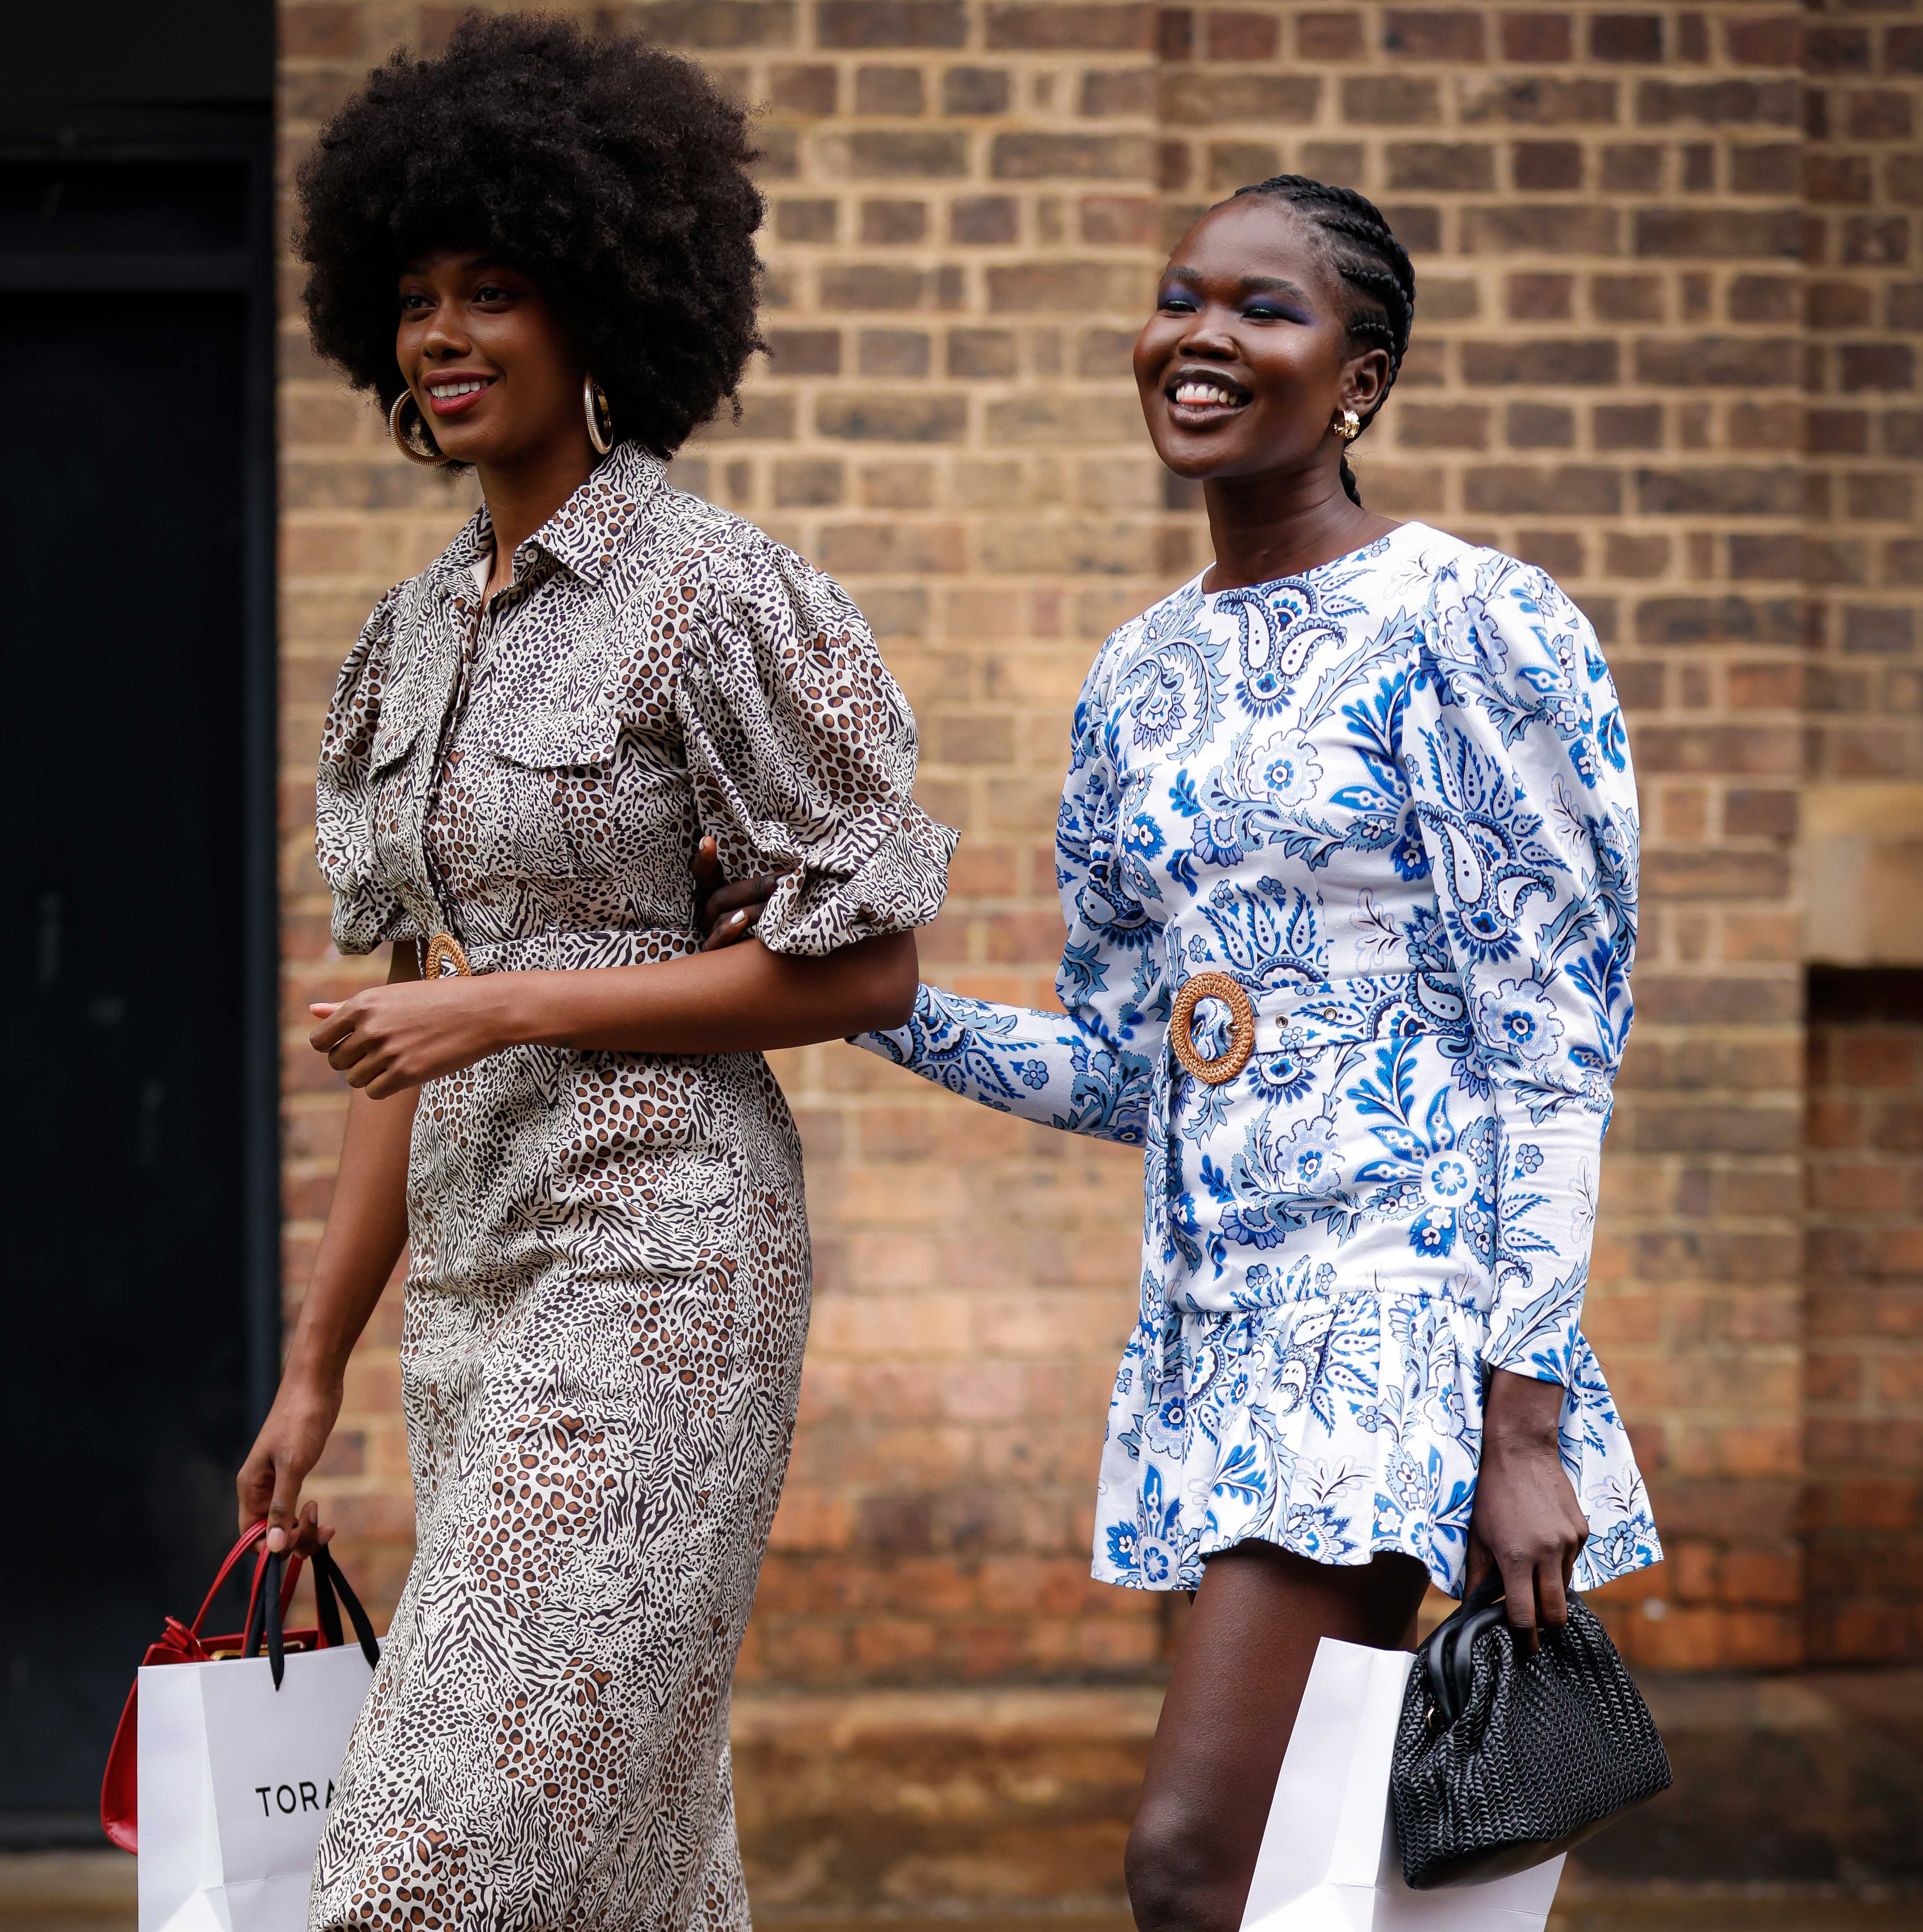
(738, 918)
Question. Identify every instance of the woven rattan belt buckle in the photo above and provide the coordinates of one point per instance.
(444, 948)
(1181, 1027)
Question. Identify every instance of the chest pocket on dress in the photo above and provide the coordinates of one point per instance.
(391, 782)
(561, 779)
(410, 704)
(543, 739)
(394, 738)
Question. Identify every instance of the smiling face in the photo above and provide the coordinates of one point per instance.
(492, 370)
(1247, 356)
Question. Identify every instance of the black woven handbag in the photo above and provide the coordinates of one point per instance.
(1502, 1760)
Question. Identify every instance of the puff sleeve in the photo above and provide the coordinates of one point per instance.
(801, 750)
(366, 913)
(1519, 766)
(1086, 1069)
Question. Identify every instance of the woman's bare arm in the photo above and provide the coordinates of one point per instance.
(366, 1227)
(736, 1001)
(742, 999)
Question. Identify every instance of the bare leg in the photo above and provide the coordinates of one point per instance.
(1226, 1721)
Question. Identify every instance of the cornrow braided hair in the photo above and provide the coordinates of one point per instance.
(1366, 254)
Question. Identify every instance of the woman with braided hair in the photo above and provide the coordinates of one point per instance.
(1347, 851)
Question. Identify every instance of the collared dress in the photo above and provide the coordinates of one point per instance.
(1391, 800)
(608, 1286)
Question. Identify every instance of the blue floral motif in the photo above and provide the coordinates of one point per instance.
(1267, 935)
(1154, 1549)
(1392, 799)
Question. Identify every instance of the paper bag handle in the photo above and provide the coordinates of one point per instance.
(267, 1614)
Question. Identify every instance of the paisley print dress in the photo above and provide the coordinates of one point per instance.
(1391, 799)
(607, 1293)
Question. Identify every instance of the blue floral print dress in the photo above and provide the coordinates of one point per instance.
(1392, 800)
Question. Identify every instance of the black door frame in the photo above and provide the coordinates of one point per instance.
(248, 271)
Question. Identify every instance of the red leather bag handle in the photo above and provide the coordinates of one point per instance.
(267, 1611)
(252, 1534)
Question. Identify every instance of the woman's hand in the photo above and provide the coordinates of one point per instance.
(1526, 1522)
(726, 914)
(388, 1039)
(289, 1444)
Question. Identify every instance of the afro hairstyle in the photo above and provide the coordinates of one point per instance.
(612, 173)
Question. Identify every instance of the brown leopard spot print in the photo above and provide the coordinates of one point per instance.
(550, 1480)
(562, 1747)
(415, 1879)
(689, 1338)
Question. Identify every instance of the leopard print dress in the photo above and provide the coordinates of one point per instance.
(607, 1293)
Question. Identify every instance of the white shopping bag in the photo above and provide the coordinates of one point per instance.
(1329, 1861)
(235, 1781)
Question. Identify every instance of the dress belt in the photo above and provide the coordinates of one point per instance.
(1268, 1019)
(563, 951)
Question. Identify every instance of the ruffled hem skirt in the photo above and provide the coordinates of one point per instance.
(1338, 1426)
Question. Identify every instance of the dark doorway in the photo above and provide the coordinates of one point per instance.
(139, 1324)
(122, 1362)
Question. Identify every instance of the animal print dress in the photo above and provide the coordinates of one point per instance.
(608, 1291)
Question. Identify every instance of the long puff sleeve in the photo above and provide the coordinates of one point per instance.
(1087, 1068)
(1517, 760)
(366, 913)
(801, 751)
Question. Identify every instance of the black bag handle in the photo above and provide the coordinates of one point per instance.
(264, 1614)
(1447, 1655)
(267, 1614)
(329, 1580)
(326, 1608)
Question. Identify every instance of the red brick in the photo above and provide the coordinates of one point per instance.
(1393, 101)
(1764, 40)
(1329, 36)
(1243, 36)
(320, 32)
(1077, 28)
(1626, 36)
(975, 90)
(1433, 34)
(807, 88)
(1536, 37)
(892, 23)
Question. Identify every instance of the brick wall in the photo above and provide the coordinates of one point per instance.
(1642, 237)
(1863, 560)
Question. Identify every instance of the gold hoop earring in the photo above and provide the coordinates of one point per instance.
(401, 441)
(1348, 426)
(594, 399)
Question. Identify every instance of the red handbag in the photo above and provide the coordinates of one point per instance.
(275, 1577)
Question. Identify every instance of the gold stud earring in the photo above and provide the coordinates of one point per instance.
(1348, 425)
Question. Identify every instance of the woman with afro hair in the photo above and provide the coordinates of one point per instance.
(537, 252)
